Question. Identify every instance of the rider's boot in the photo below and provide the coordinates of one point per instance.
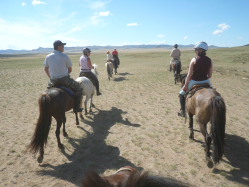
(182, 102)
(78, 100)
(97, 88)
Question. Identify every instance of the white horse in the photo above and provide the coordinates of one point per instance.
(88, 90)
(109, 68)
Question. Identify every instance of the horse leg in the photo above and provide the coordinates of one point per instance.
(40, 158)
(57, 133)
(208, 140)
(191, 122)
(77, 119)
(85, 105)
(64, 126)
(91, 104)
(175, 76)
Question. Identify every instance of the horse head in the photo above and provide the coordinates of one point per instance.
(94, 70)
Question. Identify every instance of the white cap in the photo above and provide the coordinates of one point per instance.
(202, 45)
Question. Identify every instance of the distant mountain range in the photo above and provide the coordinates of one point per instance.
(96, 48)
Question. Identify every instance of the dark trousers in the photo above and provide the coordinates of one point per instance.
(90, 75)
(68, 82)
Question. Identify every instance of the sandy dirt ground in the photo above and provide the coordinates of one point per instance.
(134, 123)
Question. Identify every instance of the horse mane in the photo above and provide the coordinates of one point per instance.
(136, 179)
(93, 179)
(144, 179)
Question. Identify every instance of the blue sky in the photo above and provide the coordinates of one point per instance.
(29, 24)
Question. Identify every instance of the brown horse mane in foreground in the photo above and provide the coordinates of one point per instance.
(130, 178)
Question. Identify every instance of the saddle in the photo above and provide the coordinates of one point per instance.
(195, 88)
(66, 89)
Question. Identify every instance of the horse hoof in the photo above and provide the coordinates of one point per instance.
(61, 147)
(191, 137)
(65, 134)
(40, 159)
(210, 164)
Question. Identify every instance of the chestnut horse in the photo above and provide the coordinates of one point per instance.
(208, 107)
(129, 177)
(54, 102)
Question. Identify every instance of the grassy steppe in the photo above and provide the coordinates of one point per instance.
(135, 122)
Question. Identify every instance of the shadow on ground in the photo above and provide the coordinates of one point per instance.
(237, 154)
(92, 153)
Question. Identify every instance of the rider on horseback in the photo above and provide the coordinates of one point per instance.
(58, 66)
(175, 57)
(86, 66)
(200, 71)
(115, 61)
(109, 56)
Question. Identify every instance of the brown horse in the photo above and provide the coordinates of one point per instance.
(176, 67)
(208, 106)
(129, 177)
(54, 102)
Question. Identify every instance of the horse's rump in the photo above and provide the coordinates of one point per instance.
(109, 67)
(208, 107)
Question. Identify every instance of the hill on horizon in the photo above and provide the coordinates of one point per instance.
(98, 48)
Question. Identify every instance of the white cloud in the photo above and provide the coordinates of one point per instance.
(107, 13)
(28, 35)
(132, 24)
(95, 19)
(24, 4)
(222, 28)
(36, 2)
(185, 37)
(161, 35)
(97, 5)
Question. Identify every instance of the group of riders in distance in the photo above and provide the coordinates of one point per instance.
(197, 97)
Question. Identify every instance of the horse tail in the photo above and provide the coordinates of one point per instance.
(40, 135)
(218, 122)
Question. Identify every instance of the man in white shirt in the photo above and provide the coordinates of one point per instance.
(175, 55)
(58, 67)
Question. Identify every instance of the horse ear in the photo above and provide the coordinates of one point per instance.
(93, 179)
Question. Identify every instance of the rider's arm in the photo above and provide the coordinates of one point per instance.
(189, 75)
(90, 63)
(70, 69)
(210, 72)
(47, 71)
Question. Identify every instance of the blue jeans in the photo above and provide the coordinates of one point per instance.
(192, 83)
